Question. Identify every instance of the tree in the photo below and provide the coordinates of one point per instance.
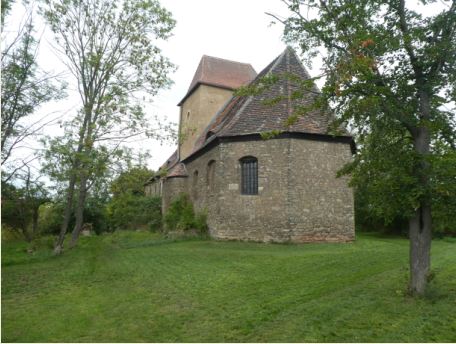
(110, 49)
(25, 87)
(20, 205)
(391, 74)
(129, 207)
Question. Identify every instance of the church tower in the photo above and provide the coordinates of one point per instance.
(212, 86)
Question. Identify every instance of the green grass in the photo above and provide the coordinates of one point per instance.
(136, 286)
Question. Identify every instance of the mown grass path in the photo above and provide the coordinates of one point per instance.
(137, 287)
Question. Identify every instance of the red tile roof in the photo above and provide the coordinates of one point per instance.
(250, 115)
(220, 73)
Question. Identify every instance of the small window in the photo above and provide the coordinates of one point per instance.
(188, 114)
(210, 175)
(249, 175)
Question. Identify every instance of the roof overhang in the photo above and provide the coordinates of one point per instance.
(215, 141)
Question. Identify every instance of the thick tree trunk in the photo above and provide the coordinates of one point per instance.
(420, 225)
(79, 211)
(420, 249)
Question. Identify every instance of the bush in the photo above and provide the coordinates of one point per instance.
(181, 216)
(155, 213)
(10, 234)
(50, 218)
(131, 211)
(201, 222)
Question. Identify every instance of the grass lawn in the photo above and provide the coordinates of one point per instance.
(136, 286)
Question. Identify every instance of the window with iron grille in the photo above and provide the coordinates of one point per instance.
(249, 176)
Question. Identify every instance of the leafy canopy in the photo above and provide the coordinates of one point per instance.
(389, 72)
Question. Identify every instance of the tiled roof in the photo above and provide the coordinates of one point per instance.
(177, 170)
(173, 167)
(250, 115)
(221, 73)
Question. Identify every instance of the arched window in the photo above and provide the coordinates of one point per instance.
(195, 184)
(210, 175)
(249, 175)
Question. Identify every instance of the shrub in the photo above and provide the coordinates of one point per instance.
(155, 213)
(130, 211)
(50, 218)
(181, 215)
(201, 222)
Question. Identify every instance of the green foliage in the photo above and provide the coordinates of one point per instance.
(225, 291)
(266, 135)
(181, 216)
(390, 73)
(50, 218)
(443, 183)
(131, 181)
(129, 211)
(95, 213)
(10, 234)
(20, 206)
(200, 222)
(129, 207)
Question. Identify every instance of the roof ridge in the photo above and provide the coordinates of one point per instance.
(268, 69)
(228, 60)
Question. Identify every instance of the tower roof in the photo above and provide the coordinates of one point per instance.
(221, 73)
(248, 115)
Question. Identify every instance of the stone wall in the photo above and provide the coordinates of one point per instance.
(320, 206)
(299, 197)
(171, 188)
(259, 217)
(204, 186)
(153, 188)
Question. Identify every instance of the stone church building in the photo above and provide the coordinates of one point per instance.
(281, 189)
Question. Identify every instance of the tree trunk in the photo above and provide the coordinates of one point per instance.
(420, 225)
(58, 247)
(87, 147)
(79, 211)
(420, 249)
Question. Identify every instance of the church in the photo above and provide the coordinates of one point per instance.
(254, 185)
